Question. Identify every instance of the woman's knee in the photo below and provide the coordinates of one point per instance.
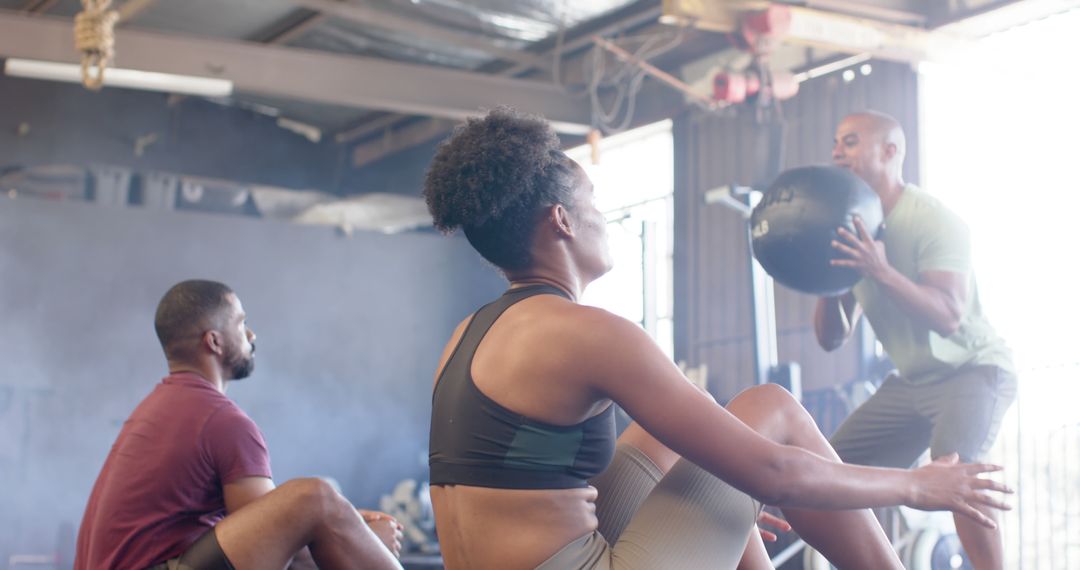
(772, 411)
(766, 396)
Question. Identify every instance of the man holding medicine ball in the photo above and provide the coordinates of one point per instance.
(954, 377)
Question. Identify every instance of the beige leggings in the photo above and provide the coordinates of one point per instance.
(686, 520)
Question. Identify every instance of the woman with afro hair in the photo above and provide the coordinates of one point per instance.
(526, 469)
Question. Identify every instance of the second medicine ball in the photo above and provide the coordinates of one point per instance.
(792, 228)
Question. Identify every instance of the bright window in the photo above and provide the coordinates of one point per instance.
(634, 182)
(1000, 127)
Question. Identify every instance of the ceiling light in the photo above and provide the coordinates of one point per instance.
(848, 75)
(116, 77)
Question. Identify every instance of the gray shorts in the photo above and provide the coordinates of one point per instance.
(960, 414)
(687, 519)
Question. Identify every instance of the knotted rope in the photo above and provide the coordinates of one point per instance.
(94, 40)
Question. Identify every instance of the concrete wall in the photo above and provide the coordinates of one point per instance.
(349, 333)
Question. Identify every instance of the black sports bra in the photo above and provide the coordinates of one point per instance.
(475, 441)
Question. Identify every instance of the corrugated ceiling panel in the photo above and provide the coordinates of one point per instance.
(507, 24)
(339, 36)
(526, 20)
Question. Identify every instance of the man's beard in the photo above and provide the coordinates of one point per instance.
(241, 367)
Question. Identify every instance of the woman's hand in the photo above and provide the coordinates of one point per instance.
(946, 484)
(773, 521)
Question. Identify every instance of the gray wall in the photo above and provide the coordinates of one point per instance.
(349, 333)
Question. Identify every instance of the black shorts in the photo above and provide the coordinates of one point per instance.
(204, 554)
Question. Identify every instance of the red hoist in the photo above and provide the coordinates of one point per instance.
(759, 33)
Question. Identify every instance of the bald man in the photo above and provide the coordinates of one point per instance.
(954, 377)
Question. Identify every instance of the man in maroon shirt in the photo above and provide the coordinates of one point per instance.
(187, 484)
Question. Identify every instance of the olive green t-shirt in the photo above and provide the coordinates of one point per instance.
(921, 234)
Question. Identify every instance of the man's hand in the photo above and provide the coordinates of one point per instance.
(773, 521)
(386, 528)
(866, 255)
(938, 298)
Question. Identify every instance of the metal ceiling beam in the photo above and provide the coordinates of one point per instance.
(997, 16)
(651, 14)
(822, 29)
(894, 42)
(280, 34)
(420, 132)
(129, 10)
(300, 28)
(870, 10)
(404, 138)
(647, 16)
(656, 101)
(370, 16)
(133, 8)
(305, 75)
(367, 128)
(37, 6)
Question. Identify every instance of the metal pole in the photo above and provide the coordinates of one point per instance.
(764, 318)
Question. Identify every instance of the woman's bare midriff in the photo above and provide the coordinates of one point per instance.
(509, 529)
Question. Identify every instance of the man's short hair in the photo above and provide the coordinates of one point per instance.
(187, 310)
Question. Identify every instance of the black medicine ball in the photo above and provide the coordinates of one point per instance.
(791, 229)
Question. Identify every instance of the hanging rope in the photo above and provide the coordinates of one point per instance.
(94, 40)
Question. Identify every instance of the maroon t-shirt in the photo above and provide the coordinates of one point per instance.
(162, 484)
